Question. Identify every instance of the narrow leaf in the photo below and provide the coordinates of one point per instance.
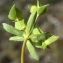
(16, 38)
(20, 25)
(30, 22)
(49, 41)
(12, 30)
(32, 50)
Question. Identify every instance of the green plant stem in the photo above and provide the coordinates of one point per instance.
(22, 52)
(23, 49)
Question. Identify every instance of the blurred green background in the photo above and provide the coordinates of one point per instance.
(51, 22)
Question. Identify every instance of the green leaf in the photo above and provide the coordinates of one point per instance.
(30, 22)
(19, 14)
(33, 8)
(38, 46)
(12, 30)
(12, 13)
(38, 37)
(41, 9)
(16, 38)
(37, 30)
(32, 50)
(49, 41)
(41, 37)
(33, 38)
(20, 25)
(15, 13)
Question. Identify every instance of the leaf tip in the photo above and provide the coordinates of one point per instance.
(3, 24)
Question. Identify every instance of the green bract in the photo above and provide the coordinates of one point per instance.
(40, 9)
(33, 8)
(20, 25)
(29, 31)
(15, 13)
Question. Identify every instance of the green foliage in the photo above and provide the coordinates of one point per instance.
(16, 38)
(32, 50)
(30, 22)
(20, 25)
(15, 13)
(33, 8)
(42, 9)
(29, 31)
(12, 30)
(37, 30)
(49, 41)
